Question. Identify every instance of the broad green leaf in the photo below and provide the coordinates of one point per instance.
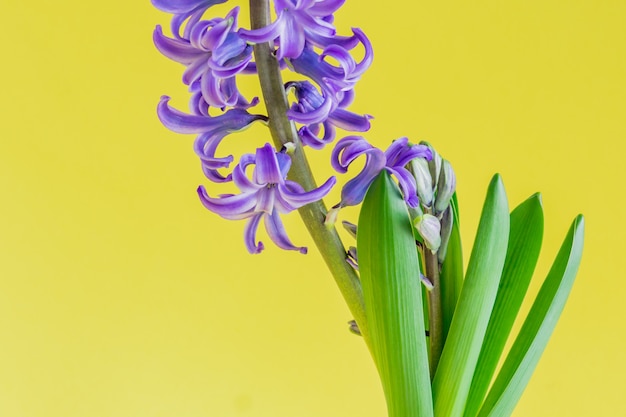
(451, 277)
(460, 353)
(389, 269)
(537, 328)
(521, 258)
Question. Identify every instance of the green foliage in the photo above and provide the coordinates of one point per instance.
(451, 271)
(389, 269)
(537, 328)
(478, 321)
(521, 258)
(454, 375)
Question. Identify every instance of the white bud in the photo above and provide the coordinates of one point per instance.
(429, 228)
(446, 186)
(423, 180)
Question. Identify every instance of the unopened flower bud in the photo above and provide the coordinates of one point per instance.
(446, 186)
(434, 165)
(429, 228)
(426, 282)
(446, 230)
(423, 180)
(350, 228)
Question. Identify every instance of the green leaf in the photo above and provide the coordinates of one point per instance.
(451, 277)
(521, 258)
(537, 328)
(460, 353)
(389, 269)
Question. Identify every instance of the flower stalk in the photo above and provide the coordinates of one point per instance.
(283, 131)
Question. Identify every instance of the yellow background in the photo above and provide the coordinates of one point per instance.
(121, 296)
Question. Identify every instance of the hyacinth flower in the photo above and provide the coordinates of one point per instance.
(436, 346)
(340, 79)
(265, 196)
(317, 111)
(214, 54)
(212, 130)
(299, 22)
(394, 160)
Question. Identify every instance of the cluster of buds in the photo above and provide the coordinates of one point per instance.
(433, 217)
(303, 39)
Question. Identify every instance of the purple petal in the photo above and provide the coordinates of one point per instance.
(232, 207)
(349, 121)
(354, 191)
(265, 198)
(239, 175)
(407, 185)
(177, 121)
(395, 149)
(299, 199)
(196, 70)
(265, 34)
(278, 234)
(309, 136)
(346, 151)
(205, 146)
(291, 39)
(267, 170)
(250, 234)
(183, 6)
(313, 116)
(366, 62)
(175, 49)
(325, 7)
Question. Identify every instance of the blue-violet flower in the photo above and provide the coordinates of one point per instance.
(298, 22)
(213, 54)
(212, 130)
(315, 110)
(265, 196)
(394, 160)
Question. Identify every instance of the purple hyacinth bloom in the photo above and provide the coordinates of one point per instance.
(212, 130)
(335, 79)
(315, 110)
(298, 22)
(264, 196)
(394, 160)
(213, 54)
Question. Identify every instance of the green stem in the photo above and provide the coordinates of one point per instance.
(283, 131)
(435, 312)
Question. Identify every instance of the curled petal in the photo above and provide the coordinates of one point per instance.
(325, 7)
(231, 121)
(250, 234)
(349, 121)
(350, 148)
(346, 151)
(175, 49)
(301, 198)
(232, 207)
(278, 234)
(407, 185)
(308, 135)
(205, 146)
(265, 34)
(183, 6)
